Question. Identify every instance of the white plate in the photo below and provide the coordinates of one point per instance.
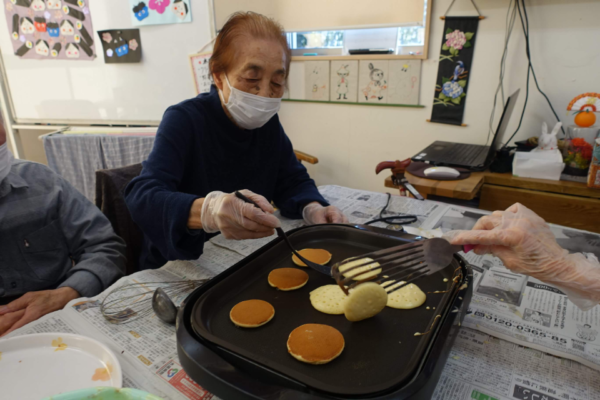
(46, 364)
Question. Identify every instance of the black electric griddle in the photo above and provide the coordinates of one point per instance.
(382, 355)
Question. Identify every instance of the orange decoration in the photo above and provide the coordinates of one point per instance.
(585, 119)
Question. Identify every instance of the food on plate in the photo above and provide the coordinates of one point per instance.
(328, 299)
(252, 313)
(356, 273)
(318, 256)
(407, 297)
(287, 278)
(315, 343)
(365, 301)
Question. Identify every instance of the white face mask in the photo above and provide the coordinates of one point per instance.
(6, 159)
(250, 111)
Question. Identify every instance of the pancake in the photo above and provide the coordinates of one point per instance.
(318, 256)
(287, 278)
(315, 343)
(251, 313)
(328, 299)
(365, 301)
(356, 273)
(409, 296)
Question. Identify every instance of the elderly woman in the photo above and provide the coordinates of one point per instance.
(229, 139)
(526, 245)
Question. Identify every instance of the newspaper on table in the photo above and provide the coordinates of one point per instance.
(533, 318)
(483, 367)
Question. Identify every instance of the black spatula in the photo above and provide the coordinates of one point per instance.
(317, 267)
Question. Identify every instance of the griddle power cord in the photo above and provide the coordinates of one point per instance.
(403, 219)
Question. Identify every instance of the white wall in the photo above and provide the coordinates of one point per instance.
(350, 140)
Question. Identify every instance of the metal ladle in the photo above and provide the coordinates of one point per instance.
(164, 307)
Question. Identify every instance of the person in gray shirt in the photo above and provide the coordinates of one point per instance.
(55, 245)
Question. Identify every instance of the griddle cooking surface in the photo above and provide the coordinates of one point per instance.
(381, 352)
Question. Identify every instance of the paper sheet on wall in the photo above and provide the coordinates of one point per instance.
(50, 29)
(344, 81)
(158, 12)
(200, 72)
(316, 81)
(373, 81)
(404, 81)
(121, 46)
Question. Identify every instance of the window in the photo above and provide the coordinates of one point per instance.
(316, 40)
(403, 40)
(411, 36)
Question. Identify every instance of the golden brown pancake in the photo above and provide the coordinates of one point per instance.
(251, 313)
(318, 256)
(287, 278)
(315, 343)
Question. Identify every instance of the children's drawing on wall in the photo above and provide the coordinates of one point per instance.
(50, 29)
(157, 12)
(404, 81)
(373, 82)
(344, 81)
(121, 46)
(317, 80)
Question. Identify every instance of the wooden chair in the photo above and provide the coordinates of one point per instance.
(301, 156)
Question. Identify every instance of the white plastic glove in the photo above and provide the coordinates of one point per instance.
(526, 245)
(315, 213)
(236, 219)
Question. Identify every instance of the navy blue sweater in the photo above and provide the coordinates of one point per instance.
(199, 150)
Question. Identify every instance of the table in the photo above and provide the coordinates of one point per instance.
(479, 367)
(564, 203)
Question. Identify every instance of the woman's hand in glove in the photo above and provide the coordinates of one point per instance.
(236, 219)
(314, 213)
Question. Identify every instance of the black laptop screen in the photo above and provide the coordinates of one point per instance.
(504, 119)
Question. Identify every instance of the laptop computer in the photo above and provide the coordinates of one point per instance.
(470, 156)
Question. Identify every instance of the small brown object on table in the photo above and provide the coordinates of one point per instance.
(570, 204)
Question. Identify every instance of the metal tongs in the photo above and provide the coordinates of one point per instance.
(317, 267)
(404, 263)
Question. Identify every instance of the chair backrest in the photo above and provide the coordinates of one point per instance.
(110, 199)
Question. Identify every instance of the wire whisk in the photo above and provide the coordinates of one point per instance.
(133, 301)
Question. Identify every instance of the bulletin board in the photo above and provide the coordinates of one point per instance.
(88, 90)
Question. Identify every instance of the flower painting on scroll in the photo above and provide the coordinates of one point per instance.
(456, 40)
(452, 90)
(454, 68)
